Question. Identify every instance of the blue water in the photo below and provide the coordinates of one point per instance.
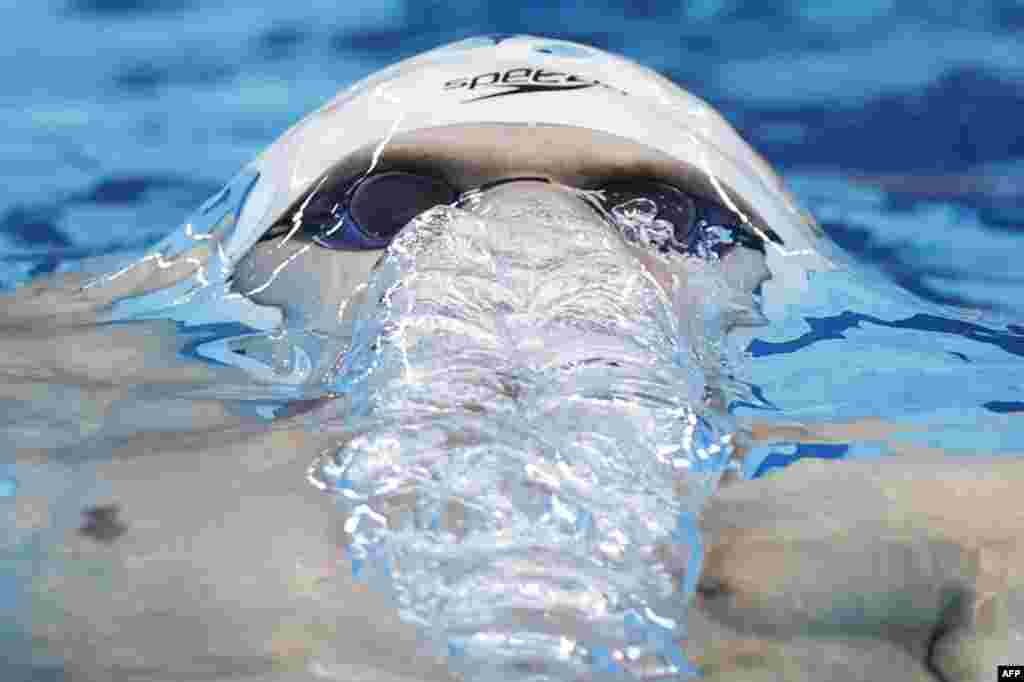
(897, 125)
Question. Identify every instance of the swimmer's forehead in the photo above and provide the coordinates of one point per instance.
(468, 156)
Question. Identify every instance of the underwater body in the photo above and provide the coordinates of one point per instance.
(526, 368)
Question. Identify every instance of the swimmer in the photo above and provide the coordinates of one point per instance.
(544, 150)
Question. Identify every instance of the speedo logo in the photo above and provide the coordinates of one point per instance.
(522, 80)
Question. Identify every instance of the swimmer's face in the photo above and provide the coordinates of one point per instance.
(323, 248)
(301, 227)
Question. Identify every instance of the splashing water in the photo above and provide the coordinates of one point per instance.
(527, 444)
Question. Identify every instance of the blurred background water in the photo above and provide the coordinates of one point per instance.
(896, 123)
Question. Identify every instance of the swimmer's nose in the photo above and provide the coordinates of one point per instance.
(516, 195)
(508, 198)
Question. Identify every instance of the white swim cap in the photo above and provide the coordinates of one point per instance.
(526, 82)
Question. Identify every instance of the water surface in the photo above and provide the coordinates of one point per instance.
(894, 126)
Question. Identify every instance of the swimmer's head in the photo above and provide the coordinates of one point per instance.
(432, 128)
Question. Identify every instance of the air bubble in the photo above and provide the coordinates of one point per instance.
(509, 523)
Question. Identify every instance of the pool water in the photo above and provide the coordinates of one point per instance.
(894, 126)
